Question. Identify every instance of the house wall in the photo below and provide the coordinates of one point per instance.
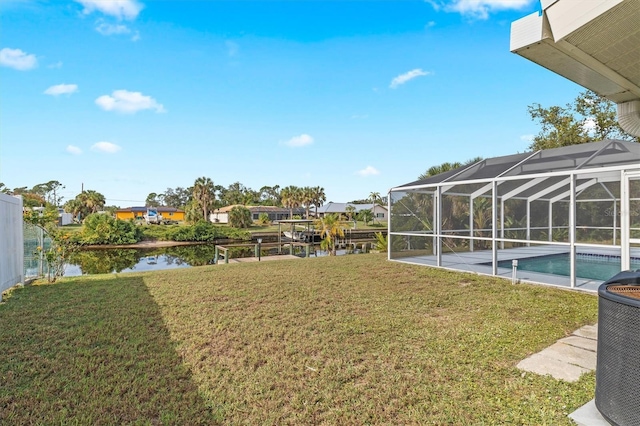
(172, 215)
(125, 215)
(218, 217)
(11, 243)
(65, 219)
(379, 213)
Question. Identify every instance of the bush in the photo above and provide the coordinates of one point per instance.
(104, 229)
(263, 219)
(240, 217)
(382, 241)
(201, 232)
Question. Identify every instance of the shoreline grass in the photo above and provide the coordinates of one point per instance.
(333, 340)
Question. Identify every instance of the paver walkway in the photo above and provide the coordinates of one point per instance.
(568, 358)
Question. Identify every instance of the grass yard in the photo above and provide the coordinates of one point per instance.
(343, 340)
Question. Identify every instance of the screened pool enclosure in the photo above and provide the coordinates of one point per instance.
(568, 216)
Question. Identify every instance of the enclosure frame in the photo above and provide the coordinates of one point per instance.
(576, 182)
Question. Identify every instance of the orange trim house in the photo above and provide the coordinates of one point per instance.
(168, 213)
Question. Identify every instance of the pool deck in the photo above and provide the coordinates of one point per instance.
(476, 262)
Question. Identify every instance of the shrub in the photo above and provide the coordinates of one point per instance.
(203, 232)
(104, 229)
(382, 242)
(263, 219)
(240, 217)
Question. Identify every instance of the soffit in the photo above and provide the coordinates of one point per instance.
(595, 44)
(613, 39)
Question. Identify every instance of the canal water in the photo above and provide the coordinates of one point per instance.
(116, 260)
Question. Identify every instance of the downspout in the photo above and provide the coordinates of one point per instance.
(629, 117)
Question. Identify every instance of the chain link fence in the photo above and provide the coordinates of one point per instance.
(36, 242)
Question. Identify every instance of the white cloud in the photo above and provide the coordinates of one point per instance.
(527, 138)
(136, 36)
(121, 9)
(128, 102)
(56, 65)
(298, 141)
(589, 125)
(61, 89)
(108, 147)
(72, 149)
(478, 9)
(368, 171)
(111, 29)
(17, 59)
(403, 78)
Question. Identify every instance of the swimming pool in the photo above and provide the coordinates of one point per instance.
(595, 267)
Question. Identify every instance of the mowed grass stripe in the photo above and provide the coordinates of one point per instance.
(334, 340)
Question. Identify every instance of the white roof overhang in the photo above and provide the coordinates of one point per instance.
(596, 44)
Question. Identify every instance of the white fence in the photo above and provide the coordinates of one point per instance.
(11, 242)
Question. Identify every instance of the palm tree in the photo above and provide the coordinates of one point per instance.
(331, 227)
(365, 215)
(350, 210)
(204, 194)
(307, 199)
(286, 196)
(93, 200)
(375, 199)
(240, 217)
(291, 198)
(318, 197)
(298, 197)
(85, 203)
(75, 207)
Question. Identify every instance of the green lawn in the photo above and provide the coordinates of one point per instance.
(333, 340)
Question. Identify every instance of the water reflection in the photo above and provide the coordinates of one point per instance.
(105, 261)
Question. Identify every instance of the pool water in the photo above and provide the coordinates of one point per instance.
(588, 266)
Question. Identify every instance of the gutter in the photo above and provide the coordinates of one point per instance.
(629, 117)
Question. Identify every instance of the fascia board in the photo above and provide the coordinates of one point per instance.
(526, 32)
(567, 16)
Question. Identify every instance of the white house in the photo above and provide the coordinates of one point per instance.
(380, 213)
(221, 215)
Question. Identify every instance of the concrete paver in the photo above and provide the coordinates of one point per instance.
(580, 342)
(543, 364)
(588, 415)
(572, 355)
(588, 331)
(568, 358)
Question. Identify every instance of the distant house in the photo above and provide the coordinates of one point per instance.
(380, 213)
(168, 213)
(63, 218)
(221, 215)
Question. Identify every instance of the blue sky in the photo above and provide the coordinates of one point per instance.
(130, 97)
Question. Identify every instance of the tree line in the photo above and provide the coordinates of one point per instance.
(198, 200)
(205, 196)
(589, 118)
